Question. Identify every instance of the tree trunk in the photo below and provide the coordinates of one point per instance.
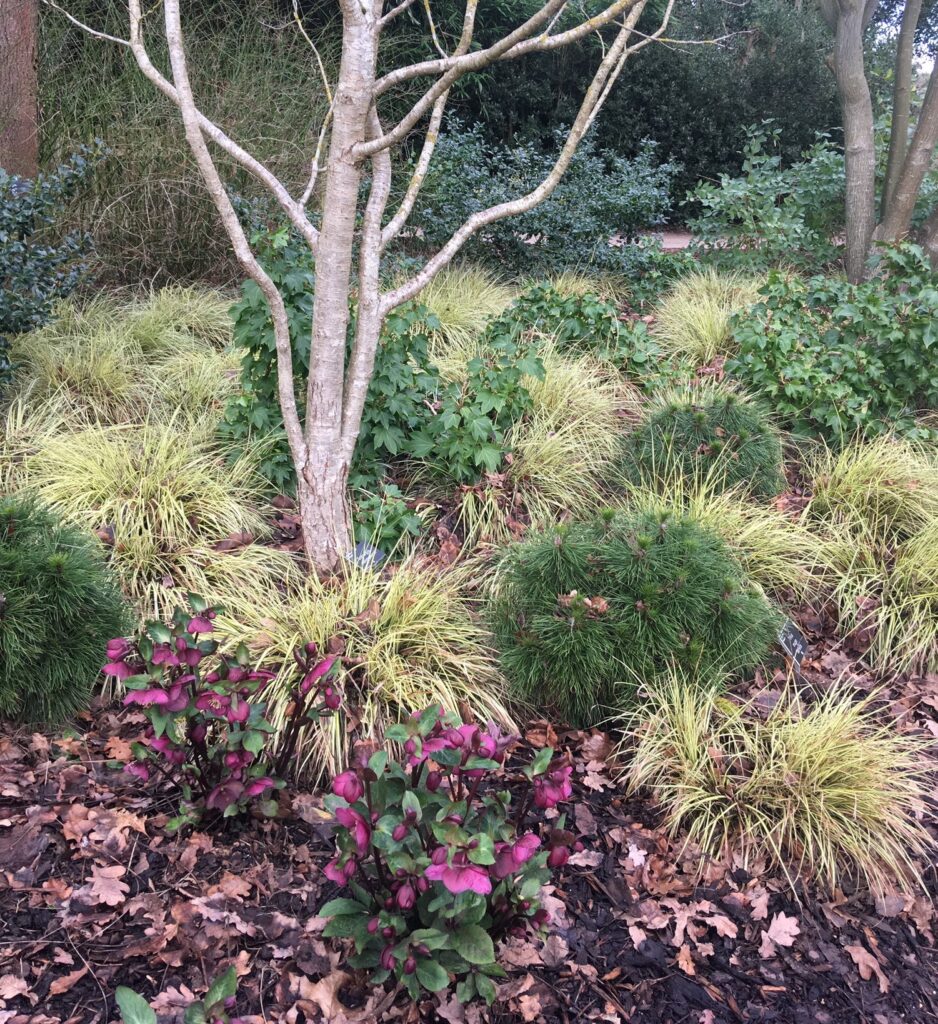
(859, 151)
(19, 104)
(323, 496)
(897, 219)
(901, 101)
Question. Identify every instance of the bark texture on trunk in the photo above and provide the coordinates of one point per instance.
(928, 237)
(859, 150)
(19, 102)
(898, 218)
(901, 100)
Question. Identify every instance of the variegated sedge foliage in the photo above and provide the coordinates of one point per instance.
(438, 863)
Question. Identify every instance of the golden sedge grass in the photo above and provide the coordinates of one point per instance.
(410, 635)
(826, 790)
(777, 553)
(464, 299)
(165, 491)
(875, 504)
(693, 320)
(24, 428)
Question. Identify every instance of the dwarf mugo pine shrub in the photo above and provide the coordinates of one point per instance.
(702, 432)
(58, 609)
(582, 611)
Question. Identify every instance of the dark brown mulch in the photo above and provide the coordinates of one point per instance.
(94, 894)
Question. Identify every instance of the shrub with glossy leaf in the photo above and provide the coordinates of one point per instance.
(34, 269)
(208, 732)
(439, 864)
(834, 358)
(58, 609)
(707, 433)
(580, 612)
(828, 788)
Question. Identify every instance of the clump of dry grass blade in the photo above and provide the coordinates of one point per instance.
(828, 789)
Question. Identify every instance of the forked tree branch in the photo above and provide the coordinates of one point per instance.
(596, 94)
(519, 43)
(226, 211)
(394, 12)
(396, 224)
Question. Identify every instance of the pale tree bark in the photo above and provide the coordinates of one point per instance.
(353, 141)
(19, 102)
(900, 206)
(848, 20)
(901, 99)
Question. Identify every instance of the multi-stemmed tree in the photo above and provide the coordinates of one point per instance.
(351, 234)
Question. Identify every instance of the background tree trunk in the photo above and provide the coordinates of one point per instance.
(901, 100)
(19, 104)
(859, 145)
(897, 219)
(928, 237)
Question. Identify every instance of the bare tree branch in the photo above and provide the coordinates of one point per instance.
(394, 12)
(394, 227)
(520, 44)
(598, 90)
(226, 211)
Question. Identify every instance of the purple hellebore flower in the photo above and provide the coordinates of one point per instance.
(348, 786)
(152, 696)
(316, 673)
(340, 875)
(525, 848)
(117, 648)
(117, 668)
(224, 795)
(139, 769)
(461, 876)
(221, 705)
(558, 856)
(406, 896)
(163, 654)
(235, 759)
(257, 786)
(553, 787)
(356, 824)
(201, 623)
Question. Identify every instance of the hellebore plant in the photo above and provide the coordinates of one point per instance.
(438, 864)
(208, 732)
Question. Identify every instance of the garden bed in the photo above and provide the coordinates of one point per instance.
(99, 894)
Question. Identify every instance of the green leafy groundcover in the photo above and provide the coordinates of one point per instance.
(837, 359)
(584, 611)
(58, 609)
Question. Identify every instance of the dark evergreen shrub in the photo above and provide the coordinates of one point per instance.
(58, 609)
(585, 611)
(707, 433)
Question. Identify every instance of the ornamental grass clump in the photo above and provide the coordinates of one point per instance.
(162, 496)
(440, 860)
(825, 787)
(706, 432)
(409, 633)
(58, 608)
(208, 735)
(581, 611)
(694, 321)
(875, 504)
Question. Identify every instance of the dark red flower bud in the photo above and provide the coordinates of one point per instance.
(558, 856)
(388, 932)
(388, 960)
(433, 781)
(331, 699)
(400, 873)
(541, 917)
(578, 846)
(422, 884)
(197, 732)
(422, 949)
(439, 855)
(311, 648)
(406, 897)
(399, 833)
(410, 965)
(410, 747)
(388, 903)
(373, 925)
(231, 1002)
